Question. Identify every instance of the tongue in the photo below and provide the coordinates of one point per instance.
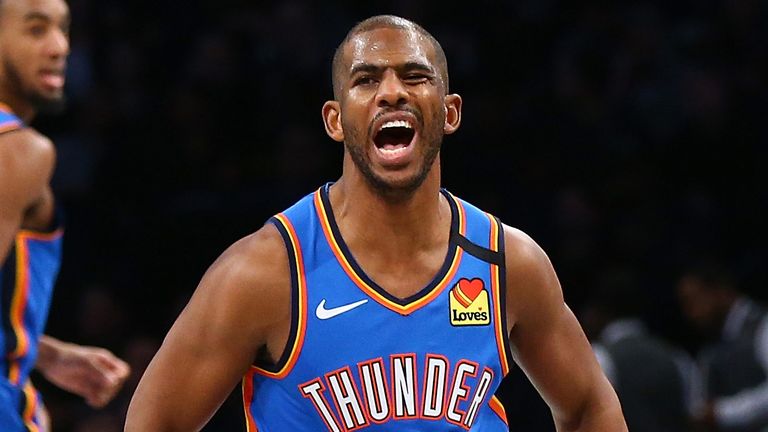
(392, 146)
(394, 138)
(53, 80)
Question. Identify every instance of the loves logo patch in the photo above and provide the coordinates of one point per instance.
(469, 303)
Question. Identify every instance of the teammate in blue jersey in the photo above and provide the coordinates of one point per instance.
(33, 49)
(379, 302)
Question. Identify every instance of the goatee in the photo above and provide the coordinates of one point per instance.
(48, 106)
(431, 139)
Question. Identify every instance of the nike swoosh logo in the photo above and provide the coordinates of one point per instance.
(325, 314)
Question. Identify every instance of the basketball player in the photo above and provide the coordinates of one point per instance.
(33, 49)
(378, 302)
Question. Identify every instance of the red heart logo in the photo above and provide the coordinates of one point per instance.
(471, 288)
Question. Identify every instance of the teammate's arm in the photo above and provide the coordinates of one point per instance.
(242, 298)
(27, 160)
(26, 165)
(549, 344)
(91, 372)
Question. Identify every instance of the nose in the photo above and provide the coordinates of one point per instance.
(58, 44)
(391, 90)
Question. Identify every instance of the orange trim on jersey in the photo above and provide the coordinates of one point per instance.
(250, 423)
(497, 306)
(20, 298)
(30, 408)
(301, 326)
(461, 215)
(498, 408)
(40, 236)
(18, 306)
(401, 309)
(9, 126)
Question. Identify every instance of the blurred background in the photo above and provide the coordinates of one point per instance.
(617, 134)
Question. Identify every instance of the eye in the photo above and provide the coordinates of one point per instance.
(37, 30)
(364, 80)
(416, 78)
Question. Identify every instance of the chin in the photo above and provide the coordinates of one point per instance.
(53, 104)
(397, 186)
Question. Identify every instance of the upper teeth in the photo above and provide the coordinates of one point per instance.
(397, 123)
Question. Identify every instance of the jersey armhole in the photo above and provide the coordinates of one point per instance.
(499, 283)
(298, 302)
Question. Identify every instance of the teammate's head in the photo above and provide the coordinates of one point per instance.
(34, 44)
(707, 291)
(391, 106)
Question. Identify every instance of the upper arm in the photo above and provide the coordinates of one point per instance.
(214, 341)
(26, 164)
(549, 344)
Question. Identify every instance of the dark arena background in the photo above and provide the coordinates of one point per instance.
(617, 134)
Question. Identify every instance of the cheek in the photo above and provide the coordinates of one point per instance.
(436, 115)
(21, 58)
(352, 132)
(355, 119)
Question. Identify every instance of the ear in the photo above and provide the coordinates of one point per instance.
(452, 113)
(332, 120)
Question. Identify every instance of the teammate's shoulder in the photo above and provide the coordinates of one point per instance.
(27, 160)
(27, 146)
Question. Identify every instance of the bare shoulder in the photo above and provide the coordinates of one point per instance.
(27, 159)
(251, 275)
(521, 250)
(532, 285)
(27, 148)
(525, 259)
(256, 262)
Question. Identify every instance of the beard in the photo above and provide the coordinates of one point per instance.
(431, 139)
(41, 103)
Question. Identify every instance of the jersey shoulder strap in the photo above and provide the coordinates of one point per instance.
(8, 120)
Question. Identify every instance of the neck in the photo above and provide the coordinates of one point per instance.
(410, 222)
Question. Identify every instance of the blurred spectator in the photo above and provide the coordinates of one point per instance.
(735, 363)
(657, 383)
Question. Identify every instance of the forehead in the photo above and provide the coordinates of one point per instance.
(19, 9)
(388, 47)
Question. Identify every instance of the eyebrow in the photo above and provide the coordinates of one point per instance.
(407, 66)
(34, 15)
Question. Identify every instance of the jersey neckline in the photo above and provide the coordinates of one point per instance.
(348, 263)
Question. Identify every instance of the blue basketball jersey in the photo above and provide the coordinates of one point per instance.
(360, 358)
(8, 120)
(26, 286)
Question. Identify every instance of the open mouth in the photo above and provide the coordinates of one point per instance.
(394, 136)
(52, 78)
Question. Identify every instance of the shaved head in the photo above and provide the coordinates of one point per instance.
(385, 22)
